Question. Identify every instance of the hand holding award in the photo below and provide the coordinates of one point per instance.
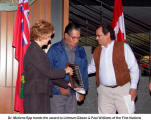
(76, 79)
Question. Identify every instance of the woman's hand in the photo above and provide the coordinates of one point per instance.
(69, 70)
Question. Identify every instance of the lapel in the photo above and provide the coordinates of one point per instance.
(64, 52)
(77, 55)
(39, 50)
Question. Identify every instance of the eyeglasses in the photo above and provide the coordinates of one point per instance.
(52, 36)
(99, 35)
(75, 38)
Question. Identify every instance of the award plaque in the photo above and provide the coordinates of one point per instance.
(76, 79)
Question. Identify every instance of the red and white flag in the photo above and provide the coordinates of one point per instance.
(21, 41)
(118, 21)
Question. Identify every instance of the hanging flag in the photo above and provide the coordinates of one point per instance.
(118, 21)
(21, 41)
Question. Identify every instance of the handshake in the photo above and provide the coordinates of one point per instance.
(69, 70)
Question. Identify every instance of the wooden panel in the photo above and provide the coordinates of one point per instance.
(48, 10)
(9, 47)
(15, 70)
(3, 48)
(35, 11)
(42, 3)
(65, 13)
(12, 100)
(30, 14)
(14, 61)
(5, 100)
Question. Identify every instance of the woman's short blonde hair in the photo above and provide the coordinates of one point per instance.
(40, 28)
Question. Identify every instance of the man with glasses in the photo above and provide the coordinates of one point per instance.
(117, 73)
(61, 53)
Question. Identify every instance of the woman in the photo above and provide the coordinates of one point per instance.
(37, 71)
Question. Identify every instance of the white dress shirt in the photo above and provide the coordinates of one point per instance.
(107, 73)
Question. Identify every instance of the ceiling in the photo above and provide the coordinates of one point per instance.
(139, 9)
(141, 3)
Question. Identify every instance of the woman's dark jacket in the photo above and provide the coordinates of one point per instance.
(38, 79)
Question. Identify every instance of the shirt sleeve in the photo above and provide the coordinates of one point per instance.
(91, 67)
(132, 65)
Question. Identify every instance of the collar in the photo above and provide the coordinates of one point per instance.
(67, 46)
(110, 44)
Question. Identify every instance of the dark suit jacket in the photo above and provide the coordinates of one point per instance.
(39, 76)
